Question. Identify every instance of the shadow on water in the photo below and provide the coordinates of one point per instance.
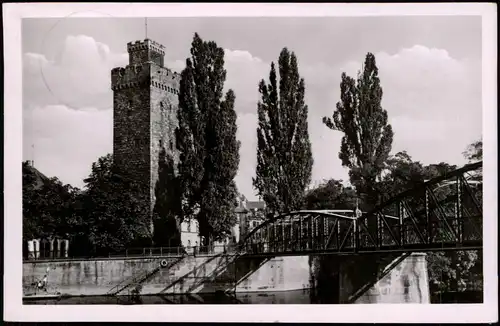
(305, 296)
(287, 297)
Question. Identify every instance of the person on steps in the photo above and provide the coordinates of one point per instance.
(42, 284)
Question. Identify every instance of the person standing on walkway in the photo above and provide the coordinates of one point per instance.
(42, 284)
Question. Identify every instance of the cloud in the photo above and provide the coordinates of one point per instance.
(244, 73)
(247, 135)
(67, 141)
(79, 77)
(428, 83)
(433, 101)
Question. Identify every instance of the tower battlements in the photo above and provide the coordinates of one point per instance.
(145, 45)
(145, 51)
(142, 75)
(145, 104)
(145, 68)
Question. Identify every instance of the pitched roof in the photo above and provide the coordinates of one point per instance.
(240, 210)
(255, 205)
(40, 178)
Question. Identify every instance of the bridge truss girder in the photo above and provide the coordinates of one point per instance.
(442, 214)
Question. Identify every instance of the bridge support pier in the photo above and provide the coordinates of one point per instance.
(373, 279)
(278, 274)
(407, 282)
(345, 279)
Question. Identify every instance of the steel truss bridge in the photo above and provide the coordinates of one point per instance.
(444, 213)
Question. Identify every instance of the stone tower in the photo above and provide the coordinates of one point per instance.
(145, 103)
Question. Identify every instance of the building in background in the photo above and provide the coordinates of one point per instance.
(190, 234)
(250, 215)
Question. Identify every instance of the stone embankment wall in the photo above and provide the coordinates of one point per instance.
(99, 276)
(406, 282)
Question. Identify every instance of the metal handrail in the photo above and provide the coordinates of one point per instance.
(142, 252)
(233, 250)
(138, 279)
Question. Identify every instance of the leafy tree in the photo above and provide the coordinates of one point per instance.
(400, 174)
(168, 205)
(474, 151)
(48, 209)
(114, 211)
(367, 139)
(284, 157)
(206, 140)
(331, 195)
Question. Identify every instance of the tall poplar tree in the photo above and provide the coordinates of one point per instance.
(368, 136)
(206, 140)
(284, 157)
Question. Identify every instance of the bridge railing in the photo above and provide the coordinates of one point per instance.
(142, 252)
(444, 212)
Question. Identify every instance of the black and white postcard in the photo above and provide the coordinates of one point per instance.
(250, 162)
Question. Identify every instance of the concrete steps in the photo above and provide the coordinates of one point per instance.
(191, 273)
(137, 280)
(236, 270)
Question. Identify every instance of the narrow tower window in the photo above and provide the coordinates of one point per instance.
(129, 108)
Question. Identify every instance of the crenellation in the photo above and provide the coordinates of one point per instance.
(138, 76)
(143, 90)
(145, 45)
(123, 77)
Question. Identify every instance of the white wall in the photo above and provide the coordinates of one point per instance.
(190, 233)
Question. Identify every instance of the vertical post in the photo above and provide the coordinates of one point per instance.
(401, 224)
(274, 237)
(325, 231)
(380, 233)
(338, 233)
(59, 253)
(356, 235)
(66, 248)
(300, 232)
(312, 232)
(317, 231)
(291, 233)
(283, 234)
(428, 217)
(268, 237)
(308, 229)
(458, 216)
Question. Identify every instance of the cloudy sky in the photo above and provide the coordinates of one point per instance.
(430, 70)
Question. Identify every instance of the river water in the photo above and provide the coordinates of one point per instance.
(305, 296)
(288, 297)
